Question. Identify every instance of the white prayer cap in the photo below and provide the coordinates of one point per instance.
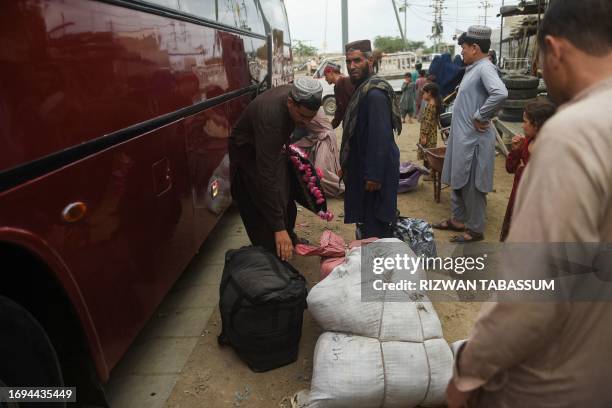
(477, 32)
(305, 88)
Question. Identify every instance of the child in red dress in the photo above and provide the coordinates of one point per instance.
(535, 115)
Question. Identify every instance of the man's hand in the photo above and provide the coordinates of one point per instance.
(284, 246)
(423, 141)
(340, 173)
(372, 186)
(517, 142)
(456, 398)
(481, 126)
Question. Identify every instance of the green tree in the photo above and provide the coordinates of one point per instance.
(415, 45)
(390, 45)
(301, 49)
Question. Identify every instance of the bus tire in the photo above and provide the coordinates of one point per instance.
(27, 355)
(329, 105)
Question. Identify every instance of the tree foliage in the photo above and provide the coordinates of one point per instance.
(388, 44)
(302, 49)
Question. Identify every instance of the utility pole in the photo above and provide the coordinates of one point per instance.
(437, 28)
(325, 28)
(344, 23)
(399, 24)
(486, 5)
(404, 8)
(501, 38)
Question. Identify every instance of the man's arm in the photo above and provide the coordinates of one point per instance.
(497, 94)
(379, 131)
(269, 140)
(339, 114)
(513, 160)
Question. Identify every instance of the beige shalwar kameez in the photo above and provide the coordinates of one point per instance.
(553, 354)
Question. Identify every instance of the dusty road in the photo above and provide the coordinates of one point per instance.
(214, 377)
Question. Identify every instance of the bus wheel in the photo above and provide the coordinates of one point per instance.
(27, 355)
(329, 105)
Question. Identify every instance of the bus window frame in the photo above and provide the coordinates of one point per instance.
(152, 8)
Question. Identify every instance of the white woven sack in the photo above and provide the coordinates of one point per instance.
(354, 371)
(336, 305)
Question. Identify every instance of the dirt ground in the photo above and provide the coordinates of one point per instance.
(215, 377)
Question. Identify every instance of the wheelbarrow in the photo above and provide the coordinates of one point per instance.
(435, 158)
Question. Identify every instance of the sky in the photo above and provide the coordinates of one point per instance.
(370, 18)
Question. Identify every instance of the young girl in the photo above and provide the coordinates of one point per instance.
(535, 115)
(429, 119)
(407, 99)
(419, 84)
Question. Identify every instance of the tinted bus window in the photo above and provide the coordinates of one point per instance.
(274, 10)
(168, 3)
(200, 8)
(242, 14)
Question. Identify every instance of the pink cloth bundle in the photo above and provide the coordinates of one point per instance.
(308, 178)
(332, 250)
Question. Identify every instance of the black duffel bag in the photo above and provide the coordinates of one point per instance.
(262, 302)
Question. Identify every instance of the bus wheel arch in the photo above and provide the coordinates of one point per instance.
(44, 301)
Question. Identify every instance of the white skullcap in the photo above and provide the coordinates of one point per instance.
(305, 88)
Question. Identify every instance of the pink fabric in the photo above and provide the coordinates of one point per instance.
(321, 142)
(332, 250)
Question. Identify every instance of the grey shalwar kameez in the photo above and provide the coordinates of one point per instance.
(470, 154)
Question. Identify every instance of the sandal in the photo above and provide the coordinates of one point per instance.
(474, 237)
(448, 227)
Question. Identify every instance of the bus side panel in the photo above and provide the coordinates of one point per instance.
(80, 69)
(135, 238)
(75, 70)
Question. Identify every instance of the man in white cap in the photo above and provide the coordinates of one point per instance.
(470, 154)
(259, 178)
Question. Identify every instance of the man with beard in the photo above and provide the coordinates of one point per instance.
(369, 156)
(343, 89)
(258, 166)
(556, 352)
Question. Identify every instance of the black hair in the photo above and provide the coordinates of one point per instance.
(407, 74)
(539, 111)
(422, 73)
(434, 90)
(485, 45)
(587, 24)
(418, 66)
(313, 103)
(493, 56)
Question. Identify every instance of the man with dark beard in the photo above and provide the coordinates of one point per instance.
(369, 156)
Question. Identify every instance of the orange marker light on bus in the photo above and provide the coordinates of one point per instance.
(74, 212)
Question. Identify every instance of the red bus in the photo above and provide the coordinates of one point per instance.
(114, 121)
